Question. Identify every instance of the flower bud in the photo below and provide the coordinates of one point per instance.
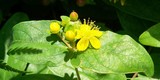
(70, 35)
(54, 27)
(73, 16)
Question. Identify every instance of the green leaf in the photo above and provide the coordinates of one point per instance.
(118, 54)
(6, 31)
(72, 25)
(132, 25)
(9, 68)
(141, 77)
(68, 69)
(144, 9)
(151, 36)
(1, 16)
(14, 63)
(156, 58)
(65, 20)
(33, 43)
(38, 77)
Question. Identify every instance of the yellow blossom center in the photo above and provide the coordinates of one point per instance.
(88, 33)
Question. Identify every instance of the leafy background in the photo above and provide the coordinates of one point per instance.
(137, 18)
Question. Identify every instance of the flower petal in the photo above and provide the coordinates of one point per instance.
(79, 35)
(96, 33)
(95, 42)
(82, 44)
(85, 27)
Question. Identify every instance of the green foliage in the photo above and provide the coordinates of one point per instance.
(148, 10)
(28, 46)
(151, 36)
(117, 50)
(31, 44)
(6, 31)
(7, 67)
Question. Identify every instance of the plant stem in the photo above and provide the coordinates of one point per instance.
(25, 69)
(135, 74)
(77, 72)
(68, 45)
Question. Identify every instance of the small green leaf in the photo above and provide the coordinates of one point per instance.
(151, 37)
(72, 25)
(65, 20)
(75, 62)
(33, 43)
(118, 54)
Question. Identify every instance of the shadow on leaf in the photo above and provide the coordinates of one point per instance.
(25, 50)
(53, 38)
(44, 77)
(9, 68)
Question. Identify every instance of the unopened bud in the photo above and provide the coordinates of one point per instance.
(54, 27)
(73, 16)
(70, 35)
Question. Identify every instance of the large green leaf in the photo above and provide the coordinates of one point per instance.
(14, 63)
(38, 77)
(151, 37)
(141, 77)
(119, 53)
(67, 72)
(155, 54)
(6, 31)
(145, 9)
(132, 25)
(68, 69)
(5, 40)
(33, 43)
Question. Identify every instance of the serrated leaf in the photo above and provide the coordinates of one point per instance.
(118, 54)
(33, 43)
(151, 37)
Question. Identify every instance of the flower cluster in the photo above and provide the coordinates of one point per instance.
(75, 32)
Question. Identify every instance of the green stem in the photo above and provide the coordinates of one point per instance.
(77, 72)
(25, 69)
(68, 45)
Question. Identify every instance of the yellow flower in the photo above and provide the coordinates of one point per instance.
(88, 33)
(54, 27)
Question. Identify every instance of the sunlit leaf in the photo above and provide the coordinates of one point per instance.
(141, 77)
(118, 54)
(151, 37)
(68, 69)
(6, 31)
(33, 43)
